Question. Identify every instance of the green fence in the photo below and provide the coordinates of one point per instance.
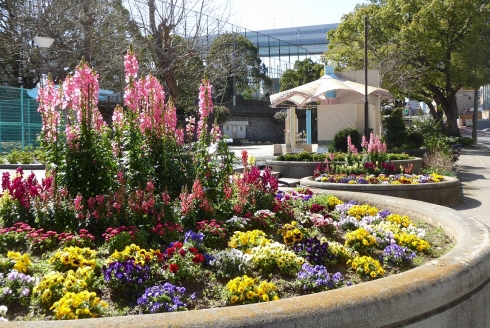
(20, 122)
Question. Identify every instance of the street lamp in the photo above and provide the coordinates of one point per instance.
(43, 43)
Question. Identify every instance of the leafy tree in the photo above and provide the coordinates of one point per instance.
(426, 49)
(233, 59)
(99, 32)
(304, 71)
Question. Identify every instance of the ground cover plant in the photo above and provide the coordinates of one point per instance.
(148, 216)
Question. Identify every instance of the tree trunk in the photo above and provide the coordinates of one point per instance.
(449, 106)
(474, 132)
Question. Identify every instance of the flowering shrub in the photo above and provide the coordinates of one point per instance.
(43, 241)
(54, 284)
(317, 279)
(360, 240)
(21, 262)
(246, 290)
(366, 266)
(315, 252)
(126, 277)
(16, 287)
(82, 239)
(165, 232)
(214, 231)
(397, 255)
(80, 305)
(227, 263)
(182, 261)
(412, 242)
(73, 257)
(275, 256)
(248, 239)
(162, 298)
(291, 233)
(15, 236)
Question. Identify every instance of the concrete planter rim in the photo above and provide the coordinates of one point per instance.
(398, 300)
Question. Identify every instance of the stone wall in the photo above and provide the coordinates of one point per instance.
(262, 125)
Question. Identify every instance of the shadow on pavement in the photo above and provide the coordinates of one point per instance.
(466, 203)
(464, 175)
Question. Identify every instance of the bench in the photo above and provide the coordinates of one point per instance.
(321, 150)
(245, 142)
(297, 150)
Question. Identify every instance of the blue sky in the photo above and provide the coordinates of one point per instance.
(268, 14)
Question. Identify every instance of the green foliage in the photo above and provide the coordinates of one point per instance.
(232, 58)
(280, 117)
(395, 135)
(436, 44)
(305, 157)
(339, 142)
(415, 140)
(304, 71)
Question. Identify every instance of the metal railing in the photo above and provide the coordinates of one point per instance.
(20, 122)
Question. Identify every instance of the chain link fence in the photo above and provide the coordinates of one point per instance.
(20, 122)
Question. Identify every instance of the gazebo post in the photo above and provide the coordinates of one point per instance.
(308, 127)
(292, 129)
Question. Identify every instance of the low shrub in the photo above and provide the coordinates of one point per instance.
(339, 142)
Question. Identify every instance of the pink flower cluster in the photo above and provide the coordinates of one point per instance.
(18, 227)
(374, 145)
(113, 232)
(39, 236)
(49, 99)
(20, 189)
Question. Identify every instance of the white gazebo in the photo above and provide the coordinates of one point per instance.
(339, 98)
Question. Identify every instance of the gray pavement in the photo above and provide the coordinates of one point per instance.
(474, 173)
(473, 169)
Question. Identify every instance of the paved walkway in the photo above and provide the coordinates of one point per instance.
(473, 171)
(474, 174)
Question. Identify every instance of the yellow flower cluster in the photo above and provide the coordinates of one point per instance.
(74, 257)
(80, 305)
(403, 221)
(276, 255)
(140, 255)
(340, 251)
(411, 241)
(360, 211)
(22, 261)
(437, 177)
(61, 283)
(366, 266)
(243, 290)
(359, 239)
(333, 201)
(291, 233)
(5, 199)
(246, 240)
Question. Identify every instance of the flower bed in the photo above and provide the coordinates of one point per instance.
(394, 179)
(326, 244)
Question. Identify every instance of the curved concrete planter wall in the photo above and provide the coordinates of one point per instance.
(452, 291)
(298, 170)
(447, 192)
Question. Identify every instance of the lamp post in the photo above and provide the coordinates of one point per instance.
(366, 99)
(43, 43)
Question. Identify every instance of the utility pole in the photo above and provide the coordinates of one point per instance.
(366, 100)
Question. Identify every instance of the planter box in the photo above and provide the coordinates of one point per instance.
(298, 170)
(447, 192)
(411, 152)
